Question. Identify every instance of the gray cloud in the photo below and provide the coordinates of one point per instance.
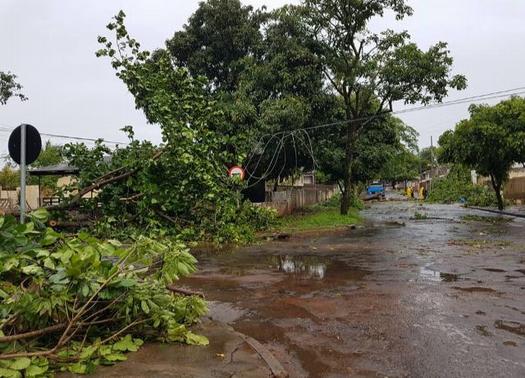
(50, 45)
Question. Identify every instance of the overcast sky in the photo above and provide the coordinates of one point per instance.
(50, 46)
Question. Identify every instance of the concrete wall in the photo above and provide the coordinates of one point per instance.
(10, 198)
(515, 189)
(288, 199)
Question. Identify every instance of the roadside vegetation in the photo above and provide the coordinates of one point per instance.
(490, 142)
(457, 187)
(321, 217)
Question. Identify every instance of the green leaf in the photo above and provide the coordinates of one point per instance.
(8, 373)
(40, 214)
(40, 252)
(49, 263)
(32, 270)
(88, 352)
(127, 282)
(126, 344)
(50, 237)
(85, 290)
(78, 368)
(115, 357)
(20, 363)
(144, 306)
(34, 370)
(194, 339)
(10, 264)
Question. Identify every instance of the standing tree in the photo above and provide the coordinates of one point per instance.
(216, 39)
(9, 87)
(491, 141)
(266, 78)
(371, 70)
(9, 177)
(378, 144)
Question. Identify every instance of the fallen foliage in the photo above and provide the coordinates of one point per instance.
(75, 302)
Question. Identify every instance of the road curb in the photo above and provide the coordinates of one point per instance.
(272, 362)
(496, 211)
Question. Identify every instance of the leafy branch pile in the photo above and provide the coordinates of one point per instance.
(71, 303)
(457, 185)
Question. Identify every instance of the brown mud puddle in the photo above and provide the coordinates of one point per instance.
(395, 298)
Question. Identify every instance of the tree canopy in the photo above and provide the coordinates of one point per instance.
(370, 71)
(9, 87)
(491, 141)
(216, 40)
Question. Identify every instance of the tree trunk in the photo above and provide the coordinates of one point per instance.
(497, 188)
(347, 166)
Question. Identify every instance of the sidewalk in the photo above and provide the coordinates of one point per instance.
(230, 354)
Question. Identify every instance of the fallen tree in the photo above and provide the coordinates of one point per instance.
(71, 303)
(179, 187)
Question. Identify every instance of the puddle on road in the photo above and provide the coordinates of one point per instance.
(313, 268)
(437, 276)
(225, 312)
(309, 267)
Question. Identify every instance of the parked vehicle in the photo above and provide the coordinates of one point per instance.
(376, 189)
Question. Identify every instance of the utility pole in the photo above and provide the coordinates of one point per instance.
(431, 160)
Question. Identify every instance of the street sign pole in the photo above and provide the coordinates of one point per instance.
(24, 145)
(22, 173)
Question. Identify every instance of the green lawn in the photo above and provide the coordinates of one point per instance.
(319, 217)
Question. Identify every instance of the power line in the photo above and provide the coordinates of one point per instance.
(71, 137)
(287, 133)
(488, 96)
(477, 98)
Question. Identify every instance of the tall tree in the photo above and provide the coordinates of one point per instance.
(216, 39)
(377, 145)
(266, 77)
(285, 87)
(9, 177)
(491, 141)
(370, 71)
(428, 157)
(9, 87)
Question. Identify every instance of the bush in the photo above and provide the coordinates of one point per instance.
(335, 202)
(71, 303)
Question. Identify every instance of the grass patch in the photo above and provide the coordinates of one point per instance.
(319, 217)
(420, 216)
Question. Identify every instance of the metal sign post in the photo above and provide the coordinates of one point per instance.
(22, 173)
(24, 147)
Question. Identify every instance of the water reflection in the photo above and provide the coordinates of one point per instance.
(304, 266)
(434, 275)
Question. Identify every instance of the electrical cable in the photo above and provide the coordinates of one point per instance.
(4, 129)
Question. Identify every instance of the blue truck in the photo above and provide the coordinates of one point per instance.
(376, 189)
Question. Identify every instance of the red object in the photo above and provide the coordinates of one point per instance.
(236, 171)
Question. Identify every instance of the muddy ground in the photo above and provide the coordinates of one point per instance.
(417, 291)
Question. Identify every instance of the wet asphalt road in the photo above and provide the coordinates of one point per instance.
(437, 296)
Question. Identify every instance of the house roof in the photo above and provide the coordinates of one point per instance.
(54, 170)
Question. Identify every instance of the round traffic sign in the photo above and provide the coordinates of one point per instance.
(33, 144)
(236, 171)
